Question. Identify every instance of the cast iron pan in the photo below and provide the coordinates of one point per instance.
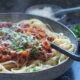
(48, 74)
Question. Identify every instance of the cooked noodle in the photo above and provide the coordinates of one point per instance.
(37, 65)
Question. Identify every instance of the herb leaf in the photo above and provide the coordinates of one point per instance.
(76, 30)
(35, 69)
(57, 61)
(1, 31)
(20, 49)
(27, 41)
(33, 51)
(13, 45)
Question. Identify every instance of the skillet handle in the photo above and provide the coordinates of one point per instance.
(66, 52)
(66, 11)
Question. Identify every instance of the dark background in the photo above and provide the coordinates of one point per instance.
(7, 6)
(21, 5)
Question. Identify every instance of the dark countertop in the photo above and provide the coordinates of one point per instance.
(20, 6)
(73, 73)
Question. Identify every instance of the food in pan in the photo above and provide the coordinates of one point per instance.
(25, 46)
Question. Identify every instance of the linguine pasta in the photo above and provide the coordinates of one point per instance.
(24, 47)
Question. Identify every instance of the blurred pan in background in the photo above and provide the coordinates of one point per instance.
(7, 6)
(47, 10)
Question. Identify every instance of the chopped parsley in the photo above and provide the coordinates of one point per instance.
(32, 22)
(13, 27)
(33, 51)
(13, 45)
(35, 41)
(57, 60)
(39, 46)
(20, 49)
(20, 46)
(8, 32)
(1, 31)
(26, 70)
(76, 30)
(35, 69)
(27, 41)
(19, 40)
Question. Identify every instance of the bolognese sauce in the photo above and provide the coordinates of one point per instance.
(23, 42)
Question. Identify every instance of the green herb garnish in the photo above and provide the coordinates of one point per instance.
(27, 41)
(39, 46)
(19, 40)
(20, 46)
(18, 33)
(13, 27)
(35, 41)
(13, 45)
(76, 30)
(26, 70)
(20, 49)
(32, 22)
(35, 69)
(33, 51)
(57, 60)
(1, 31)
